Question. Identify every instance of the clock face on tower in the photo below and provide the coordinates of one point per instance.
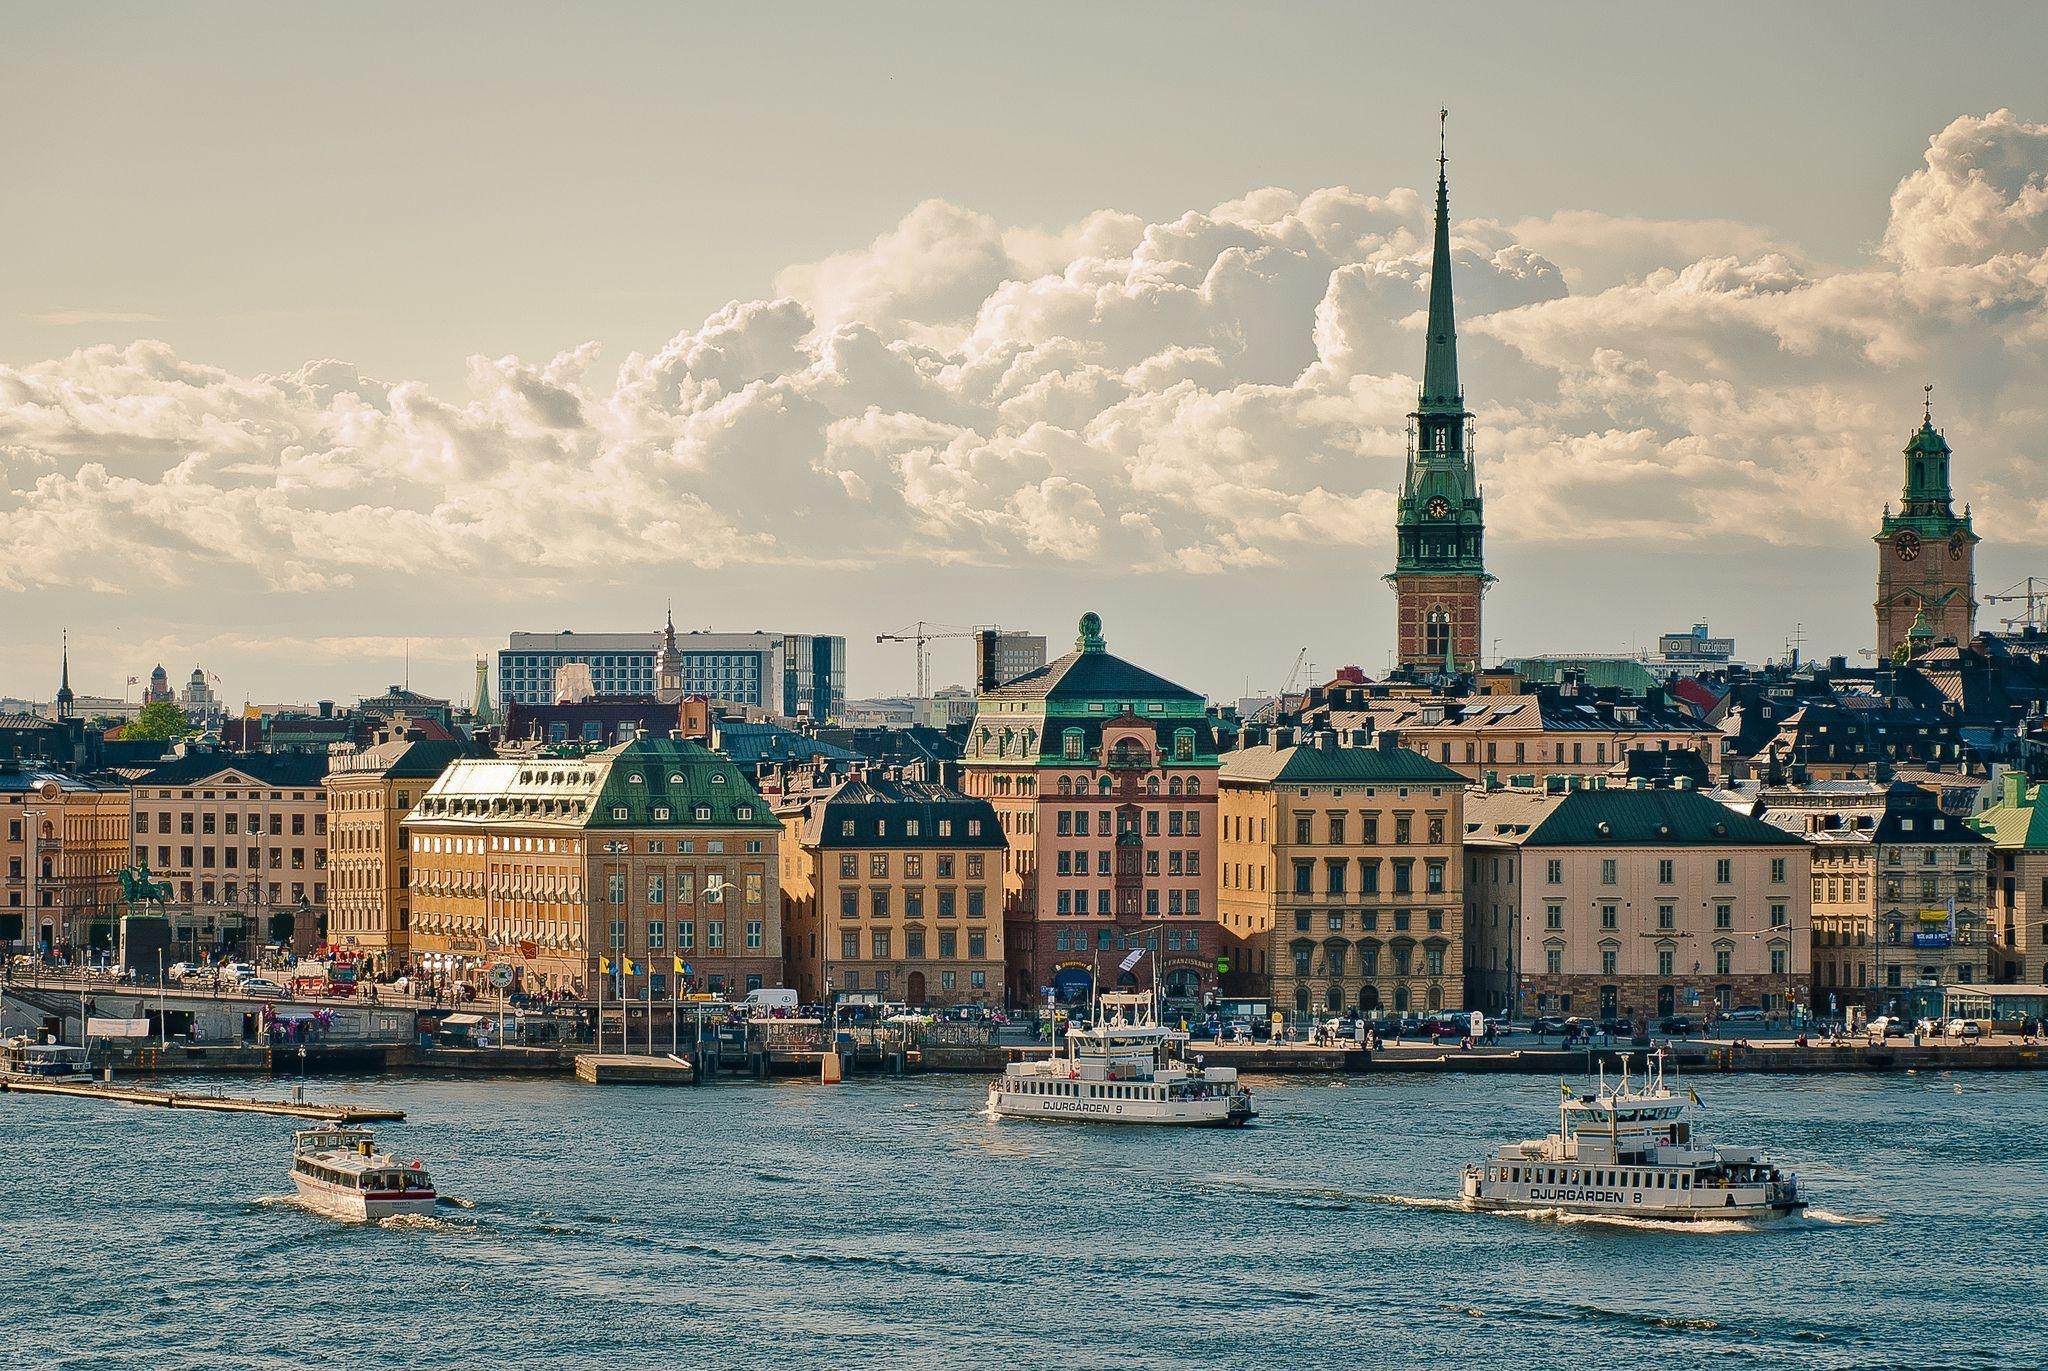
(1907, 545)
(1955, 548)
(1438, 507)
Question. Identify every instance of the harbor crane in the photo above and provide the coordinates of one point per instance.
(920, 634)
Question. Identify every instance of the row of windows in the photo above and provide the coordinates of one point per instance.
(880, 903)
(1335, 956)
(880, 863)
(1109, 940)
(232, 858)
(1336, 874)
(881, 942)
(1177, 902)
(208, 822)
(1667, 871)
(1667, 915)
(1074, 823)
(1179, 862)
(657, 932)
(1667, 959)
(1337, 828)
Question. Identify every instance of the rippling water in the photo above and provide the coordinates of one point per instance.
(889, 1224)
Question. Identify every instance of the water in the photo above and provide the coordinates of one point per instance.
(889, 1224)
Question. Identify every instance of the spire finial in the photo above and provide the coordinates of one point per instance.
(1927, 402)
(1443, 142)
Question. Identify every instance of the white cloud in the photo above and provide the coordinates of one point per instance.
(1223, 389)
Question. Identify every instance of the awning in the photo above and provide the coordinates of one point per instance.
(464, 1021)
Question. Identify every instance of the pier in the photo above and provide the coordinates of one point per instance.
(217, 1104)
(614, 1068)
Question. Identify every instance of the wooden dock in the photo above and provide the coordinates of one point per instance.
(348, 1115)
(614, 1068)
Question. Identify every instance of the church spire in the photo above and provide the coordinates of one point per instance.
(1440, 388)
(64, 696)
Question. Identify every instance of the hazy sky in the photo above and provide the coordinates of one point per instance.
(328, 328)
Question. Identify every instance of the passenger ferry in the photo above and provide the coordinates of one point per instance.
(22, 1055)
(1632, 1153)
(1128, 1068)
(339, 1171)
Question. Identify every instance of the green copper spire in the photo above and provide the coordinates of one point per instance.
(1440, 388)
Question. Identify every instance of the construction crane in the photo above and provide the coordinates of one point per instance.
(2032, 616)
(1300, 665)
(922, 633)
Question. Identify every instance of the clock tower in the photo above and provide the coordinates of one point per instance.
(1926, 553)
(1439, 571)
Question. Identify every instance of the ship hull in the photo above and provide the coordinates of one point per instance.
(1156, 1113)
(339, 1203)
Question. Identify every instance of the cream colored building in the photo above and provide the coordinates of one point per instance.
(1340, 872)
(1632, 903)
(242, 840)
(654, 851)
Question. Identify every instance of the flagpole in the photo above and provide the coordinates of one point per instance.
(600, 1006)
(650, 1009)
(675, 1009)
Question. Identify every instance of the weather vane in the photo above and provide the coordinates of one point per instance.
(1927, 403)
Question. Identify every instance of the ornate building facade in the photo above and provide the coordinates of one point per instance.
(1926, 555)
(1439, 575)
(1103, 778)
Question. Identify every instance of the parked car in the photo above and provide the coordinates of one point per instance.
(234, 973)
(1745, 1013)
(189, 971)
(1678, 1025)
(257, 985)
(1547, 1024)
(1966, 1029)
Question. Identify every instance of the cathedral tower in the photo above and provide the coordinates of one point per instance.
(1926, 553)
(1439, 571)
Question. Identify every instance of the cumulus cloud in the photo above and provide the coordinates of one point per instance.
(1223, 389)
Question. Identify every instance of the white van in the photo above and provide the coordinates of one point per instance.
(770, 999)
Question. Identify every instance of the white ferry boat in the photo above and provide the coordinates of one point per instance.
(22, 1055)
(339, 1171)
(1128, 1068)
(1631, 1153)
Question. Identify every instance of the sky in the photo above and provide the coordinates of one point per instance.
(337, 338)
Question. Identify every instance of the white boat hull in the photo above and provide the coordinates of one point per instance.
(1753, 1204)
(1216, 1112)
(341, 1203)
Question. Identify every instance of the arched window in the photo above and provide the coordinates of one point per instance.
(1173, 786)
(1102, 785)
(1070, 744)
(1335, 998)
(1194, 786)
(1151, 785)
(1436, 632)
(1066, 786)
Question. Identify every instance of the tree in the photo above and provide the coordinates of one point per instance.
(160, 721)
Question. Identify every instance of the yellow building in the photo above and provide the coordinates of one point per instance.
(895, 889)
(654, 851)
(370, 790)
(65, 840)
(1341, 872)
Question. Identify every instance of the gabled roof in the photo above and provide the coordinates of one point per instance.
(1322, 765)
(2019, 820)
(1082, 675)
(648, 774)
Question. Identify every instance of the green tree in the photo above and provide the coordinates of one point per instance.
(160, 721)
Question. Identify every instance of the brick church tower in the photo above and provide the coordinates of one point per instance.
(1439, 571)
(1926, 553)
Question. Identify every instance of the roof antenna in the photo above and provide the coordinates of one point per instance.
(1928, 402)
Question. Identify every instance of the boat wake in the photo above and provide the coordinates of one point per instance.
(456, 1201)
(419, 1223)
(1831, 1219)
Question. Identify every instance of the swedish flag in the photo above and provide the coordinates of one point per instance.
(632, 969)
(1694, 1096)
(604, 966)
(681, 970)
(1565, 1088)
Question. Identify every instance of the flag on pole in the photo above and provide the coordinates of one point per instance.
(632, 967)
(604, 966)
(1137, 955)
(1565, 1088)
(1694, 1096)
(681, 970)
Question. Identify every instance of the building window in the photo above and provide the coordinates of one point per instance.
(654, 887)
(1664, 870)
(1607, 874)
(849, 945)
(1724, 916)
(1667, 916)
(615, 887)
(1724, 871)
(1609, 957)
(1664, 955)
(1553, 960)
(656, 935)
(754, 935)
(714, 934)
(1609, 916)
(879, 943)
(1778, 869)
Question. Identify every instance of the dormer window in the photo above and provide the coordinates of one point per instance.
(619, 811)
(637, 779)
(718, 778)
(661, 813)
(743, 812)
(702, 813)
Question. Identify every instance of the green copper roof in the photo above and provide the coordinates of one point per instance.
(1652, 818)
(649, 775)
(1440, 388)
(2020, 819)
